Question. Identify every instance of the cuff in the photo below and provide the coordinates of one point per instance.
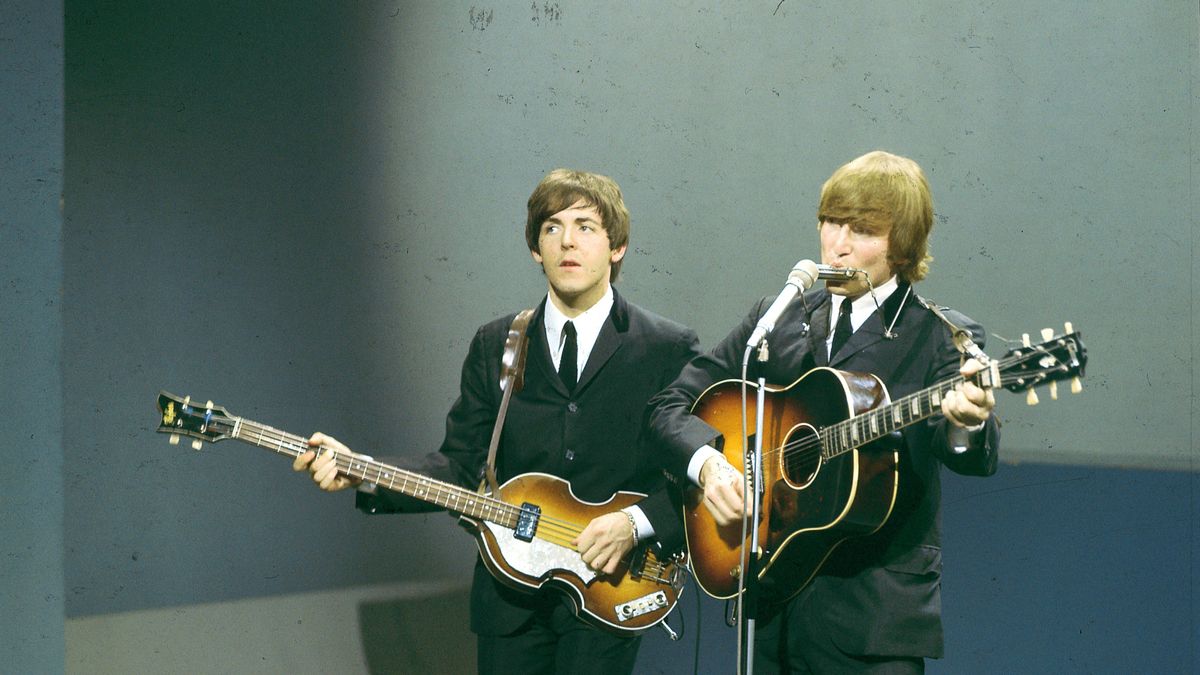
(644, 529)
(697, 462)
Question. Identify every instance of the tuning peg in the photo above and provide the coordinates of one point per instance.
(1076, 385)
(1068, 328)
(187, 400)
(1053, 390)
(209, 405)
(1031, 398)
(174, 439)
(1047, 334)
(1025, 340)
(197, 444)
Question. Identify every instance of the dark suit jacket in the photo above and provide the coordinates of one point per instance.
(878, 595)
(594, 439)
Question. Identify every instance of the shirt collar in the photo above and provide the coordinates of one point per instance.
(587, 326)
(864, 305)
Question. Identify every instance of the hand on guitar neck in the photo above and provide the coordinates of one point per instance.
(602, 544)
(967, 406)
(324, 468)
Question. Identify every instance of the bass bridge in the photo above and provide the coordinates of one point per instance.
(645, 567)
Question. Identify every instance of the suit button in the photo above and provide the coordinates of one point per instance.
(570, 454)
(573, 406)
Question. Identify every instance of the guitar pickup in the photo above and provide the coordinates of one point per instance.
(527, 522)
(643, 605)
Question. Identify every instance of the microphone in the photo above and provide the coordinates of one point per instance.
(801, 277)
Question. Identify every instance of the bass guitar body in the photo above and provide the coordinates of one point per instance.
(811, 502)
(638, 595)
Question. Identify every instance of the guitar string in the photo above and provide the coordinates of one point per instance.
(790, 450)
(549, 528)
(794, 450)
(554, 530)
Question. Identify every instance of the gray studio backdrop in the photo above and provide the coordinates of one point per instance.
(302, 211)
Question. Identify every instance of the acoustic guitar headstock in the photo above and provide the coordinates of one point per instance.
(1055, 358)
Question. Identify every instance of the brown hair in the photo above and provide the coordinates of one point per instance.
(563, 187)
(880, 188)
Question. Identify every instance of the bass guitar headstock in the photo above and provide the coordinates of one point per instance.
(1055, 358)
(181, 417)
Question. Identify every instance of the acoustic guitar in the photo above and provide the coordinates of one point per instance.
(823, 480)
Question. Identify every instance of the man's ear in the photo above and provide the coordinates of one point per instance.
(617, 254)
(537, 257)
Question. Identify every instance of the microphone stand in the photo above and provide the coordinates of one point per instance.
(801, 278)
(752, 492)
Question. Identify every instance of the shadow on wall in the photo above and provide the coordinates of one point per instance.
(419, 635)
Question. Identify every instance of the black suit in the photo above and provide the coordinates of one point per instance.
(594, 438)
(878, 595)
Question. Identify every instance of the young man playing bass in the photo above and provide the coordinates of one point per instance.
(593, 361)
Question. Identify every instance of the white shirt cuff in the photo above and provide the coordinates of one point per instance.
(644, 529)
(701, 456)
(960, 436)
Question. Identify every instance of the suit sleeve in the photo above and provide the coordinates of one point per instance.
(671, 423)
(980, 456)
(659, 507)
(468, 433)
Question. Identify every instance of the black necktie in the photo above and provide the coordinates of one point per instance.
(567, 365)
(842, 331)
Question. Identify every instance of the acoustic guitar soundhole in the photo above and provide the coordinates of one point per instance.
(801, 455)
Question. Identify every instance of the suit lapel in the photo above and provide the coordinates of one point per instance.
(819, 327)
(867, 334)
(607, 344)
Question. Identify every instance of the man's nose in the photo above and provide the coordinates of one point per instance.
(568, 237)
(841, 239)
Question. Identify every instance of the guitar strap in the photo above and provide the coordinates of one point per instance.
(961, 337)
(512, 378)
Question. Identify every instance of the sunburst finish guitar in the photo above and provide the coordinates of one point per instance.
(822, 480)
(524, 533)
